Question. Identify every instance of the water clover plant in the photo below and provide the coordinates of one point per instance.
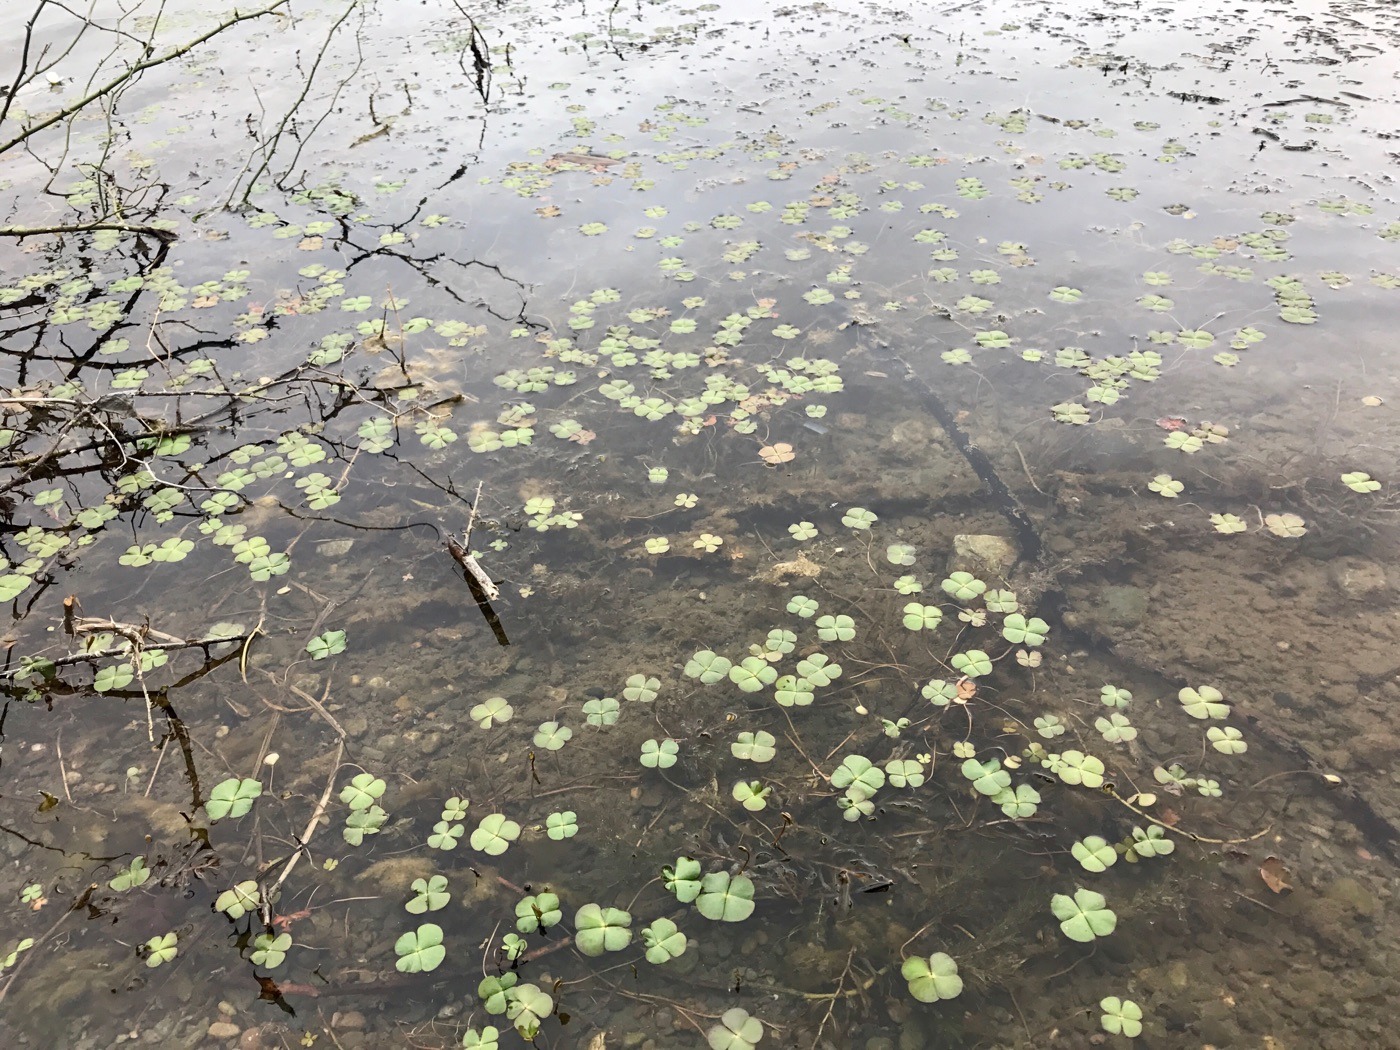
(663, 942)
(940, 693)
(659, 754)
(791, 691)
(1205, 702)
(162, 949)
(363, 791)
(420, 950)
(932, 978)
(1116, 729)
(495, 992)
(1120, 1017)
(552, 736)
(528, 1006)
(905, 772)
(736, 1031)
(331, 643)
(752, 673)
(601, 712)
(1112, 696)
(455, 808)
(598, 930)
(133, 875)
(802, 530)
(1049, 726)
(494, 834)
(963, 586)
(232, 798)
(1084, 916)
(836, 628)
(270, 951)
(708, 667)
(1017, 630)
(988, 778)
(725, 898)
(802, 606)
(1227, 740)
(1018, 803)
(239, 900)
(492, 711)
(538, 912)
(858, 776)
(859, 518)
(1360, 481)
(1075, 767)
(920, 617)
(683, 879)
(429, 895)
(754, 747)
(445, 835)
(899, 554)
(1094, 854)
(1149, 842)
(973, 664)
(818, 669)
(641, 688)
(562, 825)
(486, 1039)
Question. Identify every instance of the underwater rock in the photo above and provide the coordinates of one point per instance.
(985, 552)
(1358, 579)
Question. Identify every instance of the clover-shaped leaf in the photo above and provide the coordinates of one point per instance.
(963, 586)
(270, 951)
(752, 673)
(133, 875)
(641, 688)
(232, 798)
(330, 643)
(818, 669)
(598, 930)
(920, 617)
(486, 1039)
(1116, 728)
(1084, 916)
(904, 772)
(836, 628)
(1227, 740)
(445, 835)
(562, 825)
(162, 949)
(1120, 1017)
(1360, 481)
(1075, 767)
(725, 898)
(429, 895)
(683, 879)
(1203, 702)
(601, 712)
(1151, 842)
(663, 942)
(1018, 803)
(752, 795)
(1112, 696)
(974, 663)
(238, 900)
(754, 747)
(932, 978)
(1094, 853)
(659, 754)
(495, 992)
(537, 912)
(494, 834)
(860, 777)
(363, 791)
(1017, 630)
(858, 518)
(988, 778)
(420, 950)
(552, 736)
(528, 1005)
(736, 1031)
(707, 666)
(791, 691)
(492, 711)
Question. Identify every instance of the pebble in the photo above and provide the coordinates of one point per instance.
(223, 1030)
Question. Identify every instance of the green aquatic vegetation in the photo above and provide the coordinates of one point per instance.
(428, 895)
(562, 825)
(1166, 485)
(598, 930)
(1227, 740)
(331, 643)
(988, 778)
(641, 688)
(161, 949)
(1000, 601)
(1203, 702)
(1360, 481)
(963, 586)
(1120, 1017)
(239, 900)
(1049, 726)
(657, 545)
(1084, 916)
(269, 951)
(663, 942)
(363, 791)
(420, 950)
(683, 879)
(752, 673)
(858, 777)
(709, 667)
(904, 772)
(859, 518)
(893, 727)
(1076, 768)
(1116, 729)
(363, 822)
(907, 585)
(1285, 526)
(840, 628)
(974, 663)
(659, 754)
(445, 835)
(495, 992)
(920, 617)
(736, 1031)
(1019, 802)
(1018, 630)
(932, 978)
(754, 747)
(133, 875)
(491, 711)
(899, 554)
(802, 606)
(791, 691)
(552, 736)
(601, 712)
(1094, 854)
(1227, 523)
(752, 795)
(708, 542)
(1112, 696)
(494, 834)
(486, 1039)
(725, 898)
(941, 693)
(779, 643)
(537, 912)
(232, 798)
(1149, 842)
(802, 530)
(1070, 412)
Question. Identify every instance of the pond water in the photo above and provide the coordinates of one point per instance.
(659, 525)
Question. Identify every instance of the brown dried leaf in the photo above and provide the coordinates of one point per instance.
(779, 453)
(1275, 875)
(310, 244)
(582, 437)
(967, 689)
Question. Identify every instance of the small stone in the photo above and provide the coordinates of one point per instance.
(348, 1020)
(223, 1030)
(987, 553)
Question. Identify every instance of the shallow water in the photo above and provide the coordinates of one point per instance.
(978, 273)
